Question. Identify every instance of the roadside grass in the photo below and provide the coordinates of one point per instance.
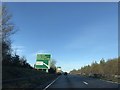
(111, 78)
(16, 72)
(31, 77)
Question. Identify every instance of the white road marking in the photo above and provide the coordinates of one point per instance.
(109, 81)
(50, 83)
(85, 82)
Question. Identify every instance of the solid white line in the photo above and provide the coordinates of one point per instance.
(50, 83)
(85, 82)
(109, 81)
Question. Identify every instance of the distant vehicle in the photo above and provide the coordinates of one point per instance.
(65, 73)
(59, 73)
(58, 70)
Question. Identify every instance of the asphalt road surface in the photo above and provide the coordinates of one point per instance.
(75, 81)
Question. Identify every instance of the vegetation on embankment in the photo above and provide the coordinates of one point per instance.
(105, 69)
(15, 68)
(16, 77)
(9, 73)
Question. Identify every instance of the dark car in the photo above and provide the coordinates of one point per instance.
(65, 73)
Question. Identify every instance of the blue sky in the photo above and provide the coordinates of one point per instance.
(76, 34)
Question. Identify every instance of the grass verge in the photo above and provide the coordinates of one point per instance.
(15, 77)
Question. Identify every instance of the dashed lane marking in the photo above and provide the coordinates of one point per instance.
(85, 82)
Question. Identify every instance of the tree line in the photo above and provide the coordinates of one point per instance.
(105, 68)
(8, 28)
(10, 58)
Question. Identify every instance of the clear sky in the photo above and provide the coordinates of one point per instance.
(76, 34)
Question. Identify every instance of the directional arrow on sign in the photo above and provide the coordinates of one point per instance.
(46, 65)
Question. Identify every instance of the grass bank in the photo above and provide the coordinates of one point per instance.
(14, 77)
(107, 78)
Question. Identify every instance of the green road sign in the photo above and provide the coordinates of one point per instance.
(43, 61)
(43, 57)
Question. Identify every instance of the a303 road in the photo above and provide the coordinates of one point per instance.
(77, 81)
